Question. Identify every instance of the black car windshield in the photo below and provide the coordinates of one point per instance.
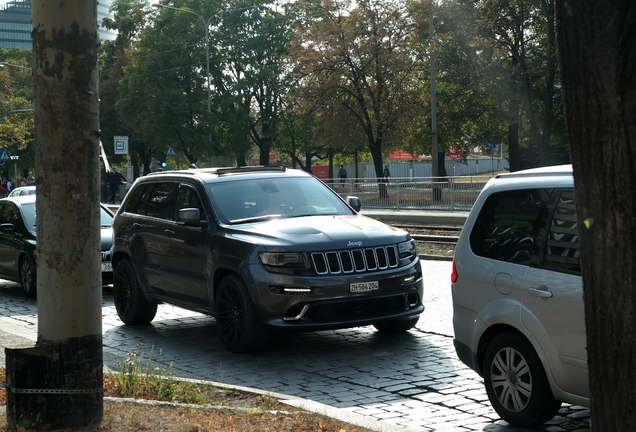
(28, 211)
(253, 200)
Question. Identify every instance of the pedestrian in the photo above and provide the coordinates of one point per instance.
(342, 174)
(30, 180)
(114, 180)
(386, 173)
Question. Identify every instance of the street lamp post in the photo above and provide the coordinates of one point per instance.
(206, 27)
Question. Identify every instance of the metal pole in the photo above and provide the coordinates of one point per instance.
(431, 32)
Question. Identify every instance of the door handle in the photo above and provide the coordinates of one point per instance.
(541, 292)
(169, 232)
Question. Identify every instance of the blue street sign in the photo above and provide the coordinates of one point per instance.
(170, 151)
(4, 155)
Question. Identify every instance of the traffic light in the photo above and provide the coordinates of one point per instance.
(164, 164)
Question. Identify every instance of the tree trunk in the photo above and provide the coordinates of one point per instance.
(597, 45)
(514, 155)
(545, 154)
(58, 382)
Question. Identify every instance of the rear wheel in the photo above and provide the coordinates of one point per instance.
(236, 316)
(131, 304)
(28, 278)
(516, 383)
(396, 326)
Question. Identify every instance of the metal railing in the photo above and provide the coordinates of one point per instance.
(452, 194)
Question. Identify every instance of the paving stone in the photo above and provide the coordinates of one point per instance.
(415, 381)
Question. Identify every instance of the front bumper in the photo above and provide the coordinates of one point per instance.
(326, 302)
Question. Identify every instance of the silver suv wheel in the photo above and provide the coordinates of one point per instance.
(516, 383)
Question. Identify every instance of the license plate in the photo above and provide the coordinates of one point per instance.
(359, 287)
(107, 266)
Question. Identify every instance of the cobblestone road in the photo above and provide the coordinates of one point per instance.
(412, 381)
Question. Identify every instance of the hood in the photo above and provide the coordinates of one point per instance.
(319, 232)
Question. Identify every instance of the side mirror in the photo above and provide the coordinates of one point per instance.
(354, 202)
(7, 228)
(191, 217)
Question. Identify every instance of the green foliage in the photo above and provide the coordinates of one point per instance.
(16, 93)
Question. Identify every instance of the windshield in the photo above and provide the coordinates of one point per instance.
(105, 218)
(252, 200)
(28, 211)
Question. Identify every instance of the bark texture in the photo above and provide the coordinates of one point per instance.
(58, 382)
(597, 42)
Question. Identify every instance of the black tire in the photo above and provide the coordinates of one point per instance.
(516, 382)
(236, 317)
(396, 326)
(131, 304)
(28, 278)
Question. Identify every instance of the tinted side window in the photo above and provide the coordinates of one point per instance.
(510, 226)
(134, 200)
(187, 197)
(159, 201)
(8, 214)
(562, 246)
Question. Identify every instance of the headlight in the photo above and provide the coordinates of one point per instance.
(283, 259)
(406, 249)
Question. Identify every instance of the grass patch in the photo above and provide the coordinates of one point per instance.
(210, 408)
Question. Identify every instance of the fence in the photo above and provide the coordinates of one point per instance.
(454, 194)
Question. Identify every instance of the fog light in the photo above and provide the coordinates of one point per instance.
(297, 290)
(289, 290)
(409, 279)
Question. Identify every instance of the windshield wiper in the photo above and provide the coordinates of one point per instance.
(255, 219)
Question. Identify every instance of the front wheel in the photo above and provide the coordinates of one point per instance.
(516, 383)
(236, 316)
(131, 304)
(28, 279)
(396, 326)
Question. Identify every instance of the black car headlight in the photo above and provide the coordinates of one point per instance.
(406, 249)
(284, 260)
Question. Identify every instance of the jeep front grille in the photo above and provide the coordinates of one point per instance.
(355, 260)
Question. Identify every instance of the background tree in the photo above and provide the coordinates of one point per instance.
(250, 76)
(16, 93)
(161, 94)
(363, 57)
(129, 18)
(519, 37)
(597, 42)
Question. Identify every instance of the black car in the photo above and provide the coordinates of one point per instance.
(18, 241)
(260, 248)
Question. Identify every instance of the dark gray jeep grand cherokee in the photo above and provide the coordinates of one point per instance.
(260, 248)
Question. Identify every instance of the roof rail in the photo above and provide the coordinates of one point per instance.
(223, 171)
(248, 169)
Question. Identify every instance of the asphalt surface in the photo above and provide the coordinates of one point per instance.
(411, 382)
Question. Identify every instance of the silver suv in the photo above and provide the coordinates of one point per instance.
(518, 295)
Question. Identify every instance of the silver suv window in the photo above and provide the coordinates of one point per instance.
(531, 226)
